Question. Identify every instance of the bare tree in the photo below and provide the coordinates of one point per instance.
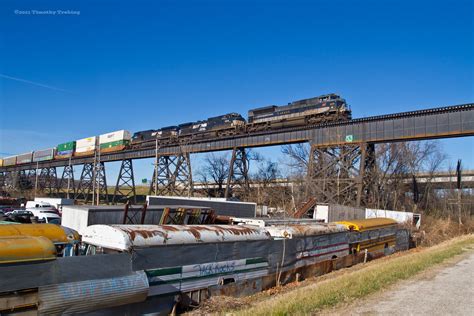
(215, 171)
(298, 157)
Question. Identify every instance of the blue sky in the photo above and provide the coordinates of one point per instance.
(138, 65)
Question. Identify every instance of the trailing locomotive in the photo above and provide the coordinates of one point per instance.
(168, 132)
(329, 107)
(227, 124)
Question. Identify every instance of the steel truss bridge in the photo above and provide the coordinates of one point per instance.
(342, 156)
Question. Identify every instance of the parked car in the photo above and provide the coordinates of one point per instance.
(46, 215)
(19, 216)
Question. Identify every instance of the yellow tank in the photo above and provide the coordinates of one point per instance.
(367, 224)
(26, 248)
(57, 234)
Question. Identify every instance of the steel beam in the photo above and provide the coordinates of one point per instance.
(3, 176)
(238, 172)
(340, 174)
(66, 183)
(48, 181)
(125, 187)
(172, 176)
(454, 121)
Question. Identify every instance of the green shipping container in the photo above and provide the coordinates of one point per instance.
(67, 146)
(115, 144)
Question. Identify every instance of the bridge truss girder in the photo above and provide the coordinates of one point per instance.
(93, 182)
(341, 174)
(172, 175)
(48, 180)
(125, 187)
(238, 172)
(66, 183)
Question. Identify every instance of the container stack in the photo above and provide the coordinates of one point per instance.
(45, 154)
(9, 161)
(114, 141)
(24, 158)
(86, 146)
(65, 150)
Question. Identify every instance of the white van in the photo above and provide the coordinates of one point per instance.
(38, 204)
(44, 214)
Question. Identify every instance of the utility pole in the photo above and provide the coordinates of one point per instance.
(156, 166)
(36, 178)
(98, 172)
(68, 179)
(94, 175)
(459, 189)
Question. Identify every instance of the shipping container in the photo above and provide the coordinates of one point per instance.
(1, 162)
(86, 146)
(9, 161)
(45, 154)
(114, 141)
(24, 158)
(65, 150)
(86, 142)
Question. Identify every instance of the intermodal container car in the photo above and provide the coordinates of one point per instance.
(86, 146)
(114, 141)
(65, 150)
(45, 154)
(24, 158)
(9, 161)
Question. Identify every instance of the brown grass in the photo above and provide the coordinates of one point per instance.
(347, 288)
(436, 230)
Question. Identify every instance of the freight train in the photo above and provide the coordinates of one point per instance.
(325, 108)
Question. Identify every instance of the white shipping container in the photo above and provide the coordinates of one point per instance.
(86, 142)
(114, 136)
(85, 149)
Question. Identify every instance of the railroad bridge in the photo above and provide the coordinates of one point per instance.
(342, 154)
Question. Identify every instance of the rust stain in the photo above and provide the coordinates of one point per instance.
(145, 234)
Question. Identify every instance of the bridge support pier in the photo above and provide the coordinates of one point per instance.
(66, 183)
(3, 176)
(125, 187)
(48, 181)
(93, 181)
(342, 174)
(24, 180)
(238, 172)
(172, 176)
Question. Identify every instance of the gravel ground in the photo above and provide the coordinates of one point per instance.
(448, 290)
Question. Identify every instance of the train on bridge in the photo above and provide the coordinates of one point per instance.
(324, 108)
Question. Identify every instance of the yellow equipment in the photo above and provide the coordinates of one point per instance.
(368, 224)
(26, 248)
(57, 234)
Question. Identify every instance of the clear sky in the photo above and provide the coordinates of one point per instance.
(138, 65)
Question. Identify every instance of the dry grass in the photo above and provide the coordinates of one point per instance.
(349, 287)
(436, 229)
